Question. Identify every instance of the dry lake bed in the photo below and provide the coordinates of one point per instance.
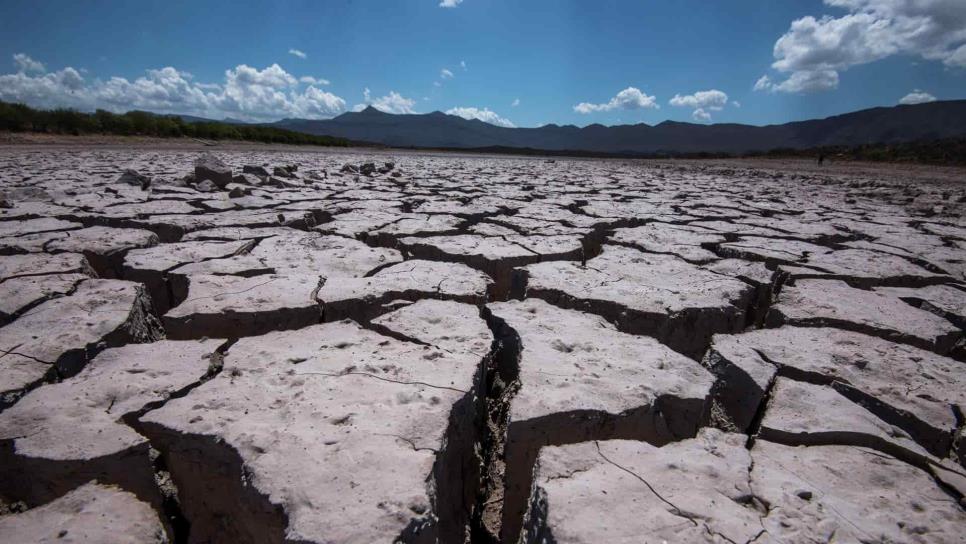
(262, 344)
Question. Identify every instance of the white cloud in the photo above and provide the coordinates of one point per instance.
(701, 115)
(702, 101)
(463, 64)
(814, 51)
(246, 93)
(28, 65)
(917, 97)
(764, 83)
(391, 103)
(484, 115)
(315, 103)
(445, 74)
(516, 102)
(630, 98)
(313, 80)
(449, 3)
(957, 57)
(736, 104)
(274, 76)
(297, 53)
(801, 82)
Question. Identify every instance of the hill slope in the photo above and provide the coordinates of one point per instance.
(936, 120)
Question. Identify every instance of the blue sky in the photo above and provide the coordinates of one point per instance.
(752, 61)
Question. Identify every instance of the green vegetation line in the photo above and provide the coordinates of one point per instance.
(22, 118)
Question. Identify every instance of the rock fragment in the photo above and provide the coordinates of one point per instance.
(210, 168)
(259, 171)
(132, 177)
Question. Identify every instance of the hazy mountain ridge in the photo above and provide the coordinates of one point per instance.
(904, 123)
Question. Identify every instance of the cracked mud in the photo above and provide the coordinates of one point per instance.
(279, 346)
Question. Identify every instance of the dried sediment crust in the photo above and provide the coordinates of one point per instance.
(569, 350)
(62, 435)
(580, 379)
(662, 296)
(91, 513)
(57, 338)
(625, 491)
(825, 303)
(348, 403)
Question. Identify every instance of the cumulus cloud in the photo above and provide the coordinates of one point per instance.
(712, 99)
(917, 97)
(391, 103)
(445, 74)
(313, 80)
(764, 83)
(246, 93)
(484, 115)
(801, 82)
(297, 53)
(450, 3)
(701, 115)
(26, 64)
(314, 103)
(630, 98)
(516, 102)
(814, 50)
(703, 103)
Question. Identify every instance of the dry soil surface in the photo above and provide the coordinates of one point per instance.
(247, 343)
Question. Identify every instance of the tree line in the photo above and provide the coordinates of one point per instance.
(23, 118)
(947, 151)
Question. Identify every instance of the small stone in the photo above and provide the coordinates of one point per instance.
(211, 168)
(207, 186)
(132, 177)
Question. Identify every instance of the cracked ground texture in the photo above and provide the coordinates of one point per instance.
(256, 344)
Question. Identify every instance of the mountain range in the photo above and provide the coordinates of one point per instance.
(904, 123)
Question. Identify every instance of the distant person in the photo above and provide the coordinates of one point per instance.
(821, 159)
